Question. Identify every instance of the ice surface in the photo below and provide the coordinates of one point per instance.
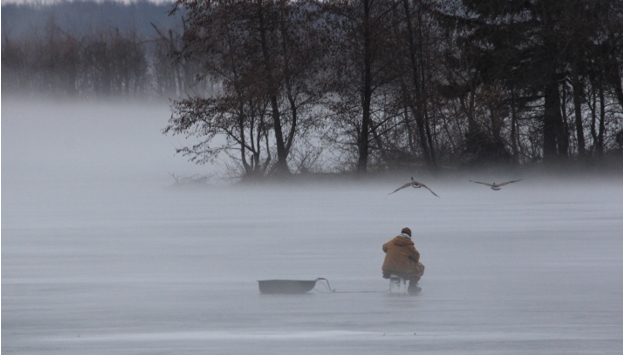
(114, 263)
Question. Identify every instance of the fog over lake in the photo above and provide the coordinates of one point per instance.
(100, 256)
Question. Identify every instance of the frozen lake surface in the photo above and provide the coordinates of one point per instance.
(125, 266)
(139, 269)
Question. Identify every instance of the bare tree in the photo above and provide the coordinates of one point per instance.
(262, 54)
(362, 35)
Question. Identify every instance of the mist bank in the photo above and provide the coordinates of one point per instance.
(97, 141)
(114, 141)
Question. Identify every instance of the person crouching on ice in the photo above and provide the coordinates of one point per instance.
(402, 259)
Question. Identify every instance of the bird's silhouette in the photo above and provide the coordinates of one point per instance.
(414, 184)
(494, 186)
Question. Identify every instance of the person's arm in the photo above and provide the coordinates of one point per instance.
(414, 254)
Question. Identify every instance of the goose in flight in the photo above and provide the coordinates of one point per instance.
(415, 185)
(494, 186)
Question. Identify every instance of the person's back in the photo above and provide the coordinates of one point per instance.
(402, 259)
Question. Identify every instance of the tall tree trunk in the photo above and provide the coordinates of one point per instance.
(616, 84)
(514, 127)
(614, 71)
(282, 166)
(555, 136)
(417, 109)
(243, 152)
(363, 141)
(291, 99)
(551, 121)
(405, 108)
(423, 95)
(594, 120)
(577, 105)
(602, 121)
(562, 137)
(429, 137)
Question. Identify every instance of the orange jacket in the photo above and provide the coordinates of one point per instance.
(401, 257)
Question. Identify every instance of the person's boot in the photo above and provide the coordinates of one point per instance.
(413, 287)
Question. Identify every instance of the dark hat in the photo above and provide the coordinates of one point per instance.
(406, 230)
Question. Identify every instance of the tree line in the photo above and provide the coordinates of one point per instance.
(381, 84)
(366, 85)
(105, 63)
(81, 49)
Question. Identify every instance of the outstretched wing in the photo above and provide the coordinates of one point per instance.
(402, 187)
(431, 191)
(508, 182)
(482, 183)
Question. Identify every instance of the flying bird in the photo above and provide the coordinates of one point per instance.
(494, 186)
(415, 185)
